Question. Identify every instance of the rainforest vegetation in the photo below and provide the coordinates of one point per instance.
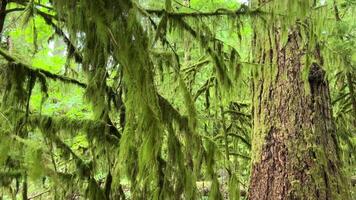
(178, 99)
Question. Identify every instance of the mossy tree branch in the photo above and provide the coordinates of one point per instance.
(5, 54)
(242, 11)
(164, 103)
(50, 20)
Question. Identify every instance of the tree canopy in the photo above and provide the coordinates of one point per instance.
(144, 99)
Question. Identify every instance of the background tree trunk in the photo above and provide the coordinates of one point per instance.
(3, 5)
(294, 151)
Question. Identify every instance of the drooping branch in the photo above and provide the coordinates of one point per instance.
(217, 56)
(72, 50)
(46, 73)
(171, 114)
(164, 38)
(168, 109)
(43, 74)
(162, 101)
(93, 128)
(49, 19)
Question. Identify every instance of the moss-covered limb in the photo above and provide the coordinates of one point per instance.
(7, 178)
(82, 175)
(7, 11)
(84, 168)
(207, 85)
(72, 50)
(10, 175)
(51, 127)
(242, 11)
(41, 76)
(162, 36)
(211, 44)
(246, 141)
(93, 128)
(202, 38)
(49, 19)
(238, 113)
(196, 66)
(28, 1)
(170, 114)
(5, 54)
(162, 101)
(217, 56)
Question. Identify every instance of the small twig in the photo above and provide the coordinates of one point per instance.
(179, 3)
(39, 194)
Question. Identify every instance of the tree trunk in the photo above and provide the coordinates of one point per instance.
(294, 150)
(3, 5)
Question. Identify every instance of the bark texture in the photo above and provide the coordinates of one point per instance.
(295, 151)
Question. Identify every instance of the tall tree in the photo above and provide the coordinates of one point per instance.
(294, 151)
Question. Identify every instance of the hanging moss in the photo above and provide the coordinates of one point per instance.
(161, 150)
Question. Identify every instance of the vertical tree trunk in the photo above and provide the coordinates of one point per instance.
(3, 5)
(294, 151)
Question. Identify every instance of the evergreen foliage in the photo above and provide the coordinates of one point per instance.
(159, 93)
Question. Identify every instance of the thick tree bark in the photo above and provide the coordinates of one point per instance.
(294, 150)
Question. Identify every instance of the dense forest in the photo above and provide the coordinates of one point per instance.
(178, 99)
